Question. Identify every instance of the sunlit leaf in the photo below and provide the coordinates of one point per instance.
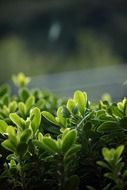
(49, 117)
(9, 145)
(26, 135)
(24, 94)
(71, 106)
(3, 126)
(50, 145)
(81, 99)
(35, 117)
(22, 108)
(12, 106)
(17, 120)
(68, 140)
(29, 102)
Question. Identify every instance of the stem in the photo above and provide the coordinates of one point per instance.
(61, 174)
(84, 118)
(22, 176)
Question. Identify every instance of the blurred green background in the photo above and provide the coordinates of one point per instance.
(44, 36)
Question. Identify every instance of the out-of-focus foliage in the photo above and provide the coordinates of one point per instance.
(50, 36)
(93, 52)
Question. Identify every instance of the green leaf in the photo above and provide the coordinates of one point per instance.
(10, 130)
(13, 106)
(3, 126)
(22, 108)
(40, 136)
(20, 80)
(6, 99)
(68, 140)
(17, 120)
(9, 145)
(103, 164)
(108, 126)
(26, 135)
(60, 119)
(40, 145)
(110, 176)
(116, 111)
(104, 117)
(24, 94)
(12, 163)
(29, 102)
(122, 105)
(21, 148)
(31, 147)
(11, 156)
(81, 99)
(119, 151)
(73, 150)
(35, 117)
(4, 89)
(123, 123)
(71, 106)
(108, 154)
(50, 117)
(52, 129)
(65, 112)
(50, 145)
(90, 187)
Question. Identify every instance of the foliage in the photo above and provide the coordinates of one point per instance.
(70, 144)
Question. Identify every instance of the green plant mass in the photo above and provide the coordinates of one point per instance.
(49, 143)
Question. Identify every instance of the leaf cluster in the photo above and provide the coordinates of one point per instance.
(59, 144)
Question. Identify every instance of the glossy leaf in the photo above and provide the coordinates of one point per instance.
(65, 112)
(108, 154)
(24, 94)
(17, 120)
(40, 136)
(116, 111)
(26, 135)
(9, 145)
(50, 145)
(13, 106)
(29, 102)
(122, 105)
(71, 106)
(50, 117)
(35, 117)
(22, 108)
(3, 126)
(68, 140)
(10, 130)
(81, 99)
(108, 126)
(40, 145)
(60, 119)
(119, 151)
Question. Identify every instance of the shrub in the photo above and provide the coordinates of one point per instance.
(59, 144)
